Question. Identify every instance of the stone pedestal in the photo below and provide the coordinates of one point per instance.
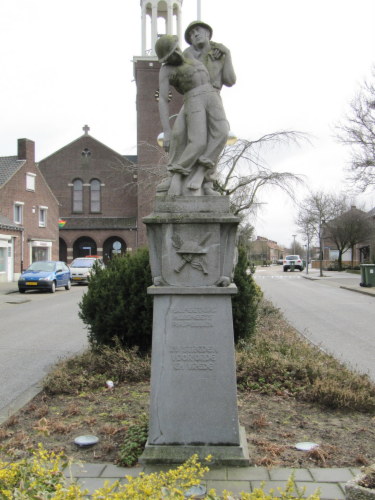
(193, 379)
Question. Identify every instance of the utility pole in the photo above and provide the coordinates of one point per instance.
(198, 10)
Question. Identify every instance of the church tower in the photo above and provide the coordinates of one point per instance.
(159, 17)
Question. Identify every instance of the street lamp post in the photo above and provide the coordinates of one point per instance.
(294, 243)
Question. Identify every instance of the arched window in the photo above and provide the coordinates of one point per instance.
(77, 195)
(95, 196)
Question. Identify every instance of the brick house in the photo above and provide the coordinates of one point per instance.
(29, 213)
(265, 250)
(97, 192)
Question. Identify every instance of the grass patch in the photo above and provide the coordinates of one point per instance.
(87, 371)
(277, 360)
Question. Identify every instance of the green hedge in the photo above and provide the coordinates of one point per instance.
(116, 304)
(245, 303)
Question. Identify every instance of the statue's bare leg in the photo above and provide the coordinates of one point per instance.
(175, 189)
(197, 180)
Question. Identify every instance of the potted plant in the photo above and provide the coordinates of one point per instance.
(362, 487)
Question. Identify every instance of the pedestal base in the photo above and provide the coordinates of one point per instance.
(177, 454)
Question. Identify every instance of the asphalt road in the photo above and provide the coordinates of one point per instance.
(340, 321)
(36, 330)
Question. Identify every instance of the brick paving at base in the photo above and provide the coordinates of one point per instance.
(330, 482)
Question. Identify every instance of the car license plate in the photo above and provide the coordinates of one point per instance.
(77, 279)
(29, 283)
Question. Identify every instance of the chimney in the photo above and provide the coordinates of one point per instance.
(26, 150)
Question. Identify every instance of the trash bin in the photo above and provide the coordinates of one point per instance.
(367, 275)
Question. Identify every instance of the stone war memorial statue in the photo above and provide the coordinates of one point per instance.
(201, 129)
(192, 241)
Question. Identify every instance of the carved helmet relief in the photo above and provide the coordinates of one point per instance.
(191, 252)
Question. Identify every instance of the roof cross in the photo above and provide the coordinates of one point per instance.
(86, 129)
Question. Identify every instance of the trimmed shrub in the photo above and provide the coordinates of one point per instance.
(116, 307)
(245, 303)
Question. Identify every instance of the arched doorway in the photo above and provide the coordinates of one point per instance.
(113, 246)
(84, 246)
(63, 250)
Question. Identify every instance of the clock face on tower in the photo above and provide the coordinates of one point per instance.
(156, 95)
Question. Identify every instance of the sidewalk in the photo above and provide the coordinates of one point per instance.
(330, 482)
(344, 280)
(7, 288)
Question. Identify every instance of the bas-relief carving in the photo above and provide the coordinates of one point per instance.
(190, 254)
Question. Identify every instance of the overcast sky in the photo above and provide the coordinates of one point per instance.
(298, 63)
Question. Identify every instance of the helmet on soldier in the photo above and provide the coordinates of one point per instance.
(165, 46)
(195, 24)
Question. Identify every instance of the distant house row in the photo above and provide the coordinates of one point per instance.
(362, 251)
(81, 200)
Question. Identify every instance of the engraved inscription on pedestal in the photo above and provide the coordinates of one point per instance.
(195, 357)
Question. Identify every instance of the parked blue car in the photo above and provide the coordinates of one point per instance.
(45, 275)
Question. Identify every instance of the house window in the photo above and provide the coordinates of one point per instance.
(18, 212)
(43, 216)
(77, 195)
(30, 181)
(95, 195)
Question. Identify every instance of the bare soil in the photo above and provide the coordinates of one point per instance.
(274, 424)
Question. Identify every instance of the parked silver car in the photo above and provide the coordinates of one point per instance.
(82, 267)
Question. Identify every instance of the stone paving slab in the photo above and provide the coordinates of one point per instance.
(248, 473)
(217, 473)
(234, 487)
(93, 483)
(328, 491)
(284, 474)
(84, 470)
(113, 471)
(334, 475)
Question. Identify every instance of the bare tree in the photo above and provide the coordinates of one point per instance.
(348, 229)
(295, 248)
(358, 132)
(313, 214)
(243, 173)
(245, 235)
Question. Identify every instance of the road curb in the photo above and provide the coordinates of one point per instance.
(364, 292)
(18, 403)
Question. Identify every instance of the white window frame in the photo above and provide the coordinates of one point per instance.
(18, 207)
(30, 181)
(43, 218)
(95, 196)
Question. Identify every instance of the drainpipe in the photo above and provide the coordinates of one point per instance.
(22, 243)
